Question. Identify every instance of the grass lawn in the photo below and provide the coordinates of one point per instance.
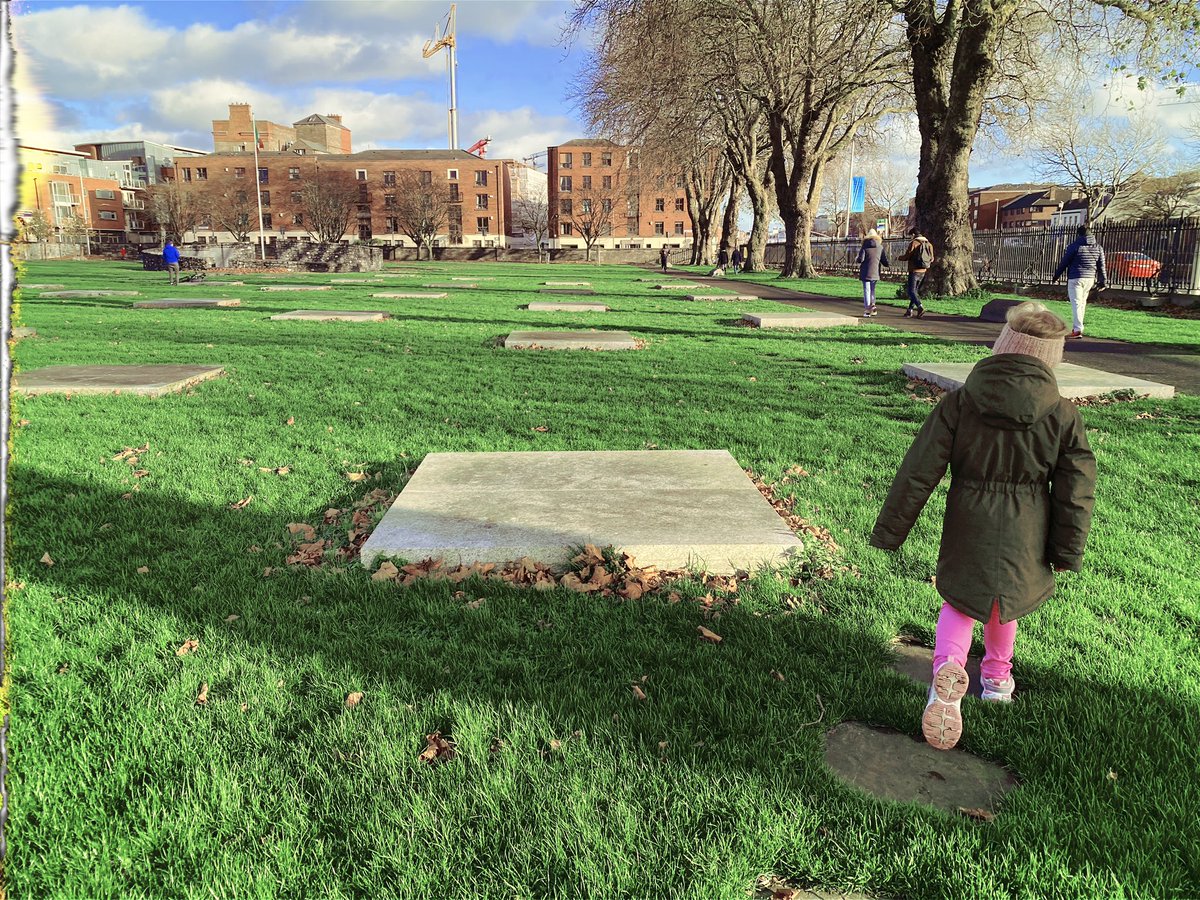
(1141, 326)
(564, 784)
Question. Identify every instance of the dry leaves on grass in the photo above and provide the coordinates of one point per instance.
(291, 420)
(278, 470)
(710, 636)
(46, 560)
(130, 454)
(980, 815)
(242, 504)
(638, 693)
(437, 749)
(356, 476)
(353, 699)
(142, 570)
(187, 647)
(230, 619)
(202, 697)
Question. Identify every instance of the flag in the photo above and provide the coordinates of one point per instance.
(257, 140)
(858, 193)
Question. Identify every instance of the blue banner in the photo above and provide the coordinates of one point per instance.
(858, 193)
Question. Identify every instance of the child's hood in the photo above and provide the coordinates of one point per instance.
(1012, 391)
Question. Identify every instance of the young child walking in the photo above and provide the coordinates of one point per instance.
(1019, 506)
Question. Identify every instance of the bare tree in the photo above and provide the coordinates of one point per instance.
(328, 202)
(890, 185)
(422, 208)
(1171, 196)
(232, 209)
(175, 207)
(591, 211)
(37, 227)
(532, 215)
(1098, 156)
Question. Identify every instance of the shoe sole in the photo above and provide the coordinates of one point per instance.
(951, 682)
(941, 725)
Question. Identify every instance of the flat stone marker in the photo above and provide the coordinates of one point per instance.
(1074, 382)
(802, 319)
(666, 508)
(897, 766)
(150, 381)
(572, 292)
(546, 306)
(67, 294)
(675, 287)
(207, 283)
(459, 286)
(570, 340)
(742, 297)
(352, 280)
(997, 310)
(472, 278)
(186, 302)
(22, 331)
(296, 287)
(916, 662)
(567, 283)
(409, 295)
(43, 286)
(333, 315)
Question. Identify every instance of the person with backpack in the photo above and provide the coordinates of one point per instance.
(1083, 262)
(737, 259)
(919, 256)
(871, 255)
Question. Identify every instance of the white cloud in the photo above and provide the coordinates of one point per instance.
(517, 133)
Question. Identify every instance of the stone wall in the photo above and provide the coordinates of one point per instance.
(299, 256)
(524, 255)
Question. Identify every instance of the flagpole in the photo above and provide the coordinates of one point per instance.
(262, 238)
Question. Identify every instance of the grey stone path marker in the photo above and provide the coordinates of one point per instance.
(353, 280)
(803, 319)
(207, 283)
(1074, 382)
(720, 297)
(21, 331)
(186, 302)
(666, 508)
(456, 286)
(896, 766)
(297, 287)
(42, 286)
(547, 306)
(567, 283)
(409, 295)
(571, 340)
(572, 292)
(675, 287)
(71, 294)
(333, 315)
(472, 278)
(150, 380)
(916, 662)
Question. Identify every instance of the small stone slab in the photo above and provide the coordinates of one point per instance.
(22, 331)
(567, 283)
(409, 295)
(1074, 382)
(459, 286)
(997, 310)
(186, 302)
(68, 294)
(742, 297)
(802, 319)
(572, 292)
(546, 306)
(207, 283)
(296, 287)
(674, 287)
(896, 766)
(916, 662)
(471, 278)
(666, 508)
(570, 340)
(352, 280)
(43, 286)
(333, 315)
(150, 381)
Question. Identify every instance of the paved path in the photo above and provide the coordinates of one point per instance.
(1166, 364)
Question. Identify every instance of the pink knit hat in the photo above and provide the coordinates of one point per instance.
(1048, 350)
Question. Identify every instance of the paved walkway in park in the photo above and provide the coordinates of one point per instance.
(1174, 364)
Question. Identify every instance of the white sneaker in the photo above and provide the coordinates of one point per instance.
(941, 723)
(998, 691)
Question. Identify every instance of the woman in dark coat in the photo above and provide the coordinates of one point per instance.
(1019, 506)
(871, 256)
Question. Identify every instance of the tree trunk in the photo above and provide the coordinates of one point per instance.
(760, 206)
(729, 219)
(792, 190)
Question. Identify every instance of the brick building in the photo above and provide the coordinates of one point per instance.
(592, 181)
(82, 200)
(312, 134)
(1015, 205)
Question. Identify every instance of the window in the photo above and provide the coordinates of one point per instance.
(660, 205)
(364, 230)
(106, 195)
(60, 169)
(244, 220)
(482, 223)
(364, 210)
(680, 184)
(205, 222)
(566, 229)
(187, 174)
(564, 207)
(242, 196)
(660, 182)
(606, 159)
(606, 182)
(587, 159)
(239, 172)
(264, 176)
(266, 220)
(360, 174)
(201, 174)
(297, 218)
(564, 182)
(564, 161)
(631, 224)
(606, 206)
(293, 173)
(658, 228)
(481, 201)
(455, 196)
(426, 177)
(585, 206)
(297, 197)
(481, 179)
(108, 214)
(452, 174)
(391, 224)
(587, 182)
(679, 228)
(265, 197)
(389, 201)
(389, 179)
(678, 204)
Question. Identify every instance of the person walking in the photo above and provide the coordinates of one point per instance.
(919, 256)
(1083, 262)
(171, 259)
(723, 258)
(1019, 507)
(871, 255)
(737, 259)
(662, 258)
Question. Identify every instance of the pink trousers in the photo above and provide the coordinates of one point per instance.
(953, 641)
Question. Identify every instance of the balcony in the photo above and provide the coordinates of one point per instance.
(133, 204)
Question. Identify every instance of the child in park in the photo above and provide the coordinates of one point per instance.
(1018, 509)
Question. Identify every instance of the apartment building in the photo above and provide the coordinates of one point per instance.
(525, 183)
(599, 186)
(80, 199)
(313, 134)
(151, 162)
(1015, 205)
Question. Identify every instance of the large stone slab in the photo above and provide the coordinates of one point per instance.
(297, 287)
(207, 283)
(546, 306)
(997, 310)
(1074, 382)
(801, 319)
(897, 766)
(409, 295)
(72, 294)
(150, 380)
(353, 280)
(573, 292)
(722, 297)
(675, 287)
(472, 278)
(458, 286)
(666, 508)
(333, 315)
(40, 286)
(186, 302)
(567, 283)
(570, 340)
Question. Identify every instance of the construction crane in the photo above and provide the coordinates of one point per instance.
(532, 160)
(479, 148)
(446, 40)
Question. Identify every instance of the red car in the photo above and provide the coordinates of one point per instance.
(1133, 265)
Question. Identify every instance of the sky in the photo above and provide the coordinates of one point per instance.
(103, 71)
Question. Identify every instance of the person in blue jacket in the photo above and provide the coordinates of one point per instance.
(1083, 262)
(171, 259)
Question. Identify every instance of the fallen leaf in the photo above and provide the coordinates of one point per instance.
(555, 743)
(752, 378)
(662, 745)
(353, 699)
(187, 647)
(475, 604)
(244, 707)
(242, 504)
(267, 572)
(638, 693)
(711, 636)
(497, 746)
(291, 420)
(202, 697)
(306, 532)
(304, 600)
(141, 473)
(1112, 776)
(778, 676)
(283, 470)
(386, 571)
(974, 812)
(356, 476)
(437, 749)
(232, 618)
(105, 526)
(540, 429)
(46, 559)
(142, 570)
(332, 515)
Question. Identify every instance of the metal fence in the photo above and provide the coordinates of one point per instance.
(1148, 256)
